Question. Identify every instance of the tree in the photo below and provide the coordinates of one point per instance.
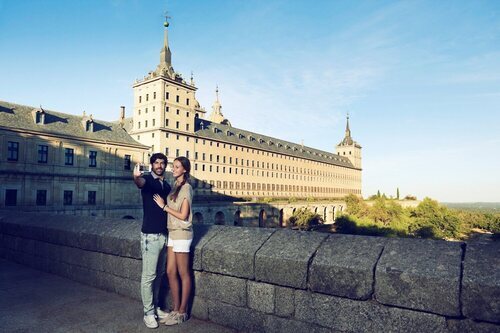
(397, 193)
(304, 219)
(378, 193)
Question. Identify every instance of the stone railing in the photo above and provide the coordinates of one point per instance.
(278, 280)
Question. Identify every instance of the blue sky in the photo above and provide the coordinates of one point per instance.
(420, 79)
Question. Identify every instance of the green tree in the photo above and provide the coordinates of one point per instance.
(304, 219)
(378, 193)
(397, 193)
(356, 206)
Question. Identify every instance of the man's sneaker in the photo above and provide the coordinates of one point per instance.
(162, 315)
(150, 321)
(176, 318)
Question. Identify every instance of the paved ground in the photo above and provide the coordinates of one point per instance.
(35, 301)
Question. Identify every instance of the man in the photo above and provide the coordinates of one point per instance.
(153, 234)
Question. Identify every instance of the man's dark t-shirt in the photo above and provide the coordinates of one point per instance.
(155, 219)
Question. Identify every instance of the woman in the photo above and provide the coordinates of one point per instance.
(180, 236)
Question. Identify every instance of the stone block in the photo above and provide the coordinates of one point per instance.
(273, 324)
(284, 301)
(344, 265)
(348, 315)
(420, 274)
(232, 251)
(470, 326)
(202, 234)
(260, 296)
(199, 308)
(128, 268)
(241, 319)
(221, 288)
(284, 259)
(481, 282)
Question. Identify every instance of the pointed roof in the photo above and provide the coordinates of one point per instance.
(216, 116)
(165, 66)
(348, 141)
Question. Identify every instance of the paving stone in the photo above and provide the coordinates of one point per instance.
(284, 258)
(344, 265)
(420, 274)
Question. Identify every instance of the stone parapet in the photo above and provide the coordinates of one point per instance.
(274, 280)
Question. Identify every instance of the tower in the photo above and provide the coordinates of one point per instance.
(164, 103)
(216, 116)
(349, 148)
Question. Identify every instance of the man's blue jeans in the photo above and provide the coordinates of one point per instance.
(153, 248)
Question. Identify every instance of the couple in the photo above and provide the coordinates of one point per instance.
(165, 208)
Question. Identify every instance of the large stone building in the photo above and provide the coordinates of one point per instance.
(231, 161)
(62, 163)
(78, 165)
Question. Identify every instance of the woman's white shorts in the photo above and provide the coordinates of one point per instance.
(179, 245)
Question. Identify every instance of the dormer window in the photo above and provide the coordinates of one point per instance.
(241, 136)
(88, 123)
(38, 116)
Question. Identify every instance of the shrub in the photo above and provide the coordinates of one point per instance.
(304, 219)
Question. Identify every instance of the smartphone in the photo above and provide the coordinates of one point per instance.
(142, 167)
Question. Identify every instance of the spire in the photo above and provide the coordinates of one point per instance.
(165, 54)
(347, 130)
(217, 93)
(216, 116)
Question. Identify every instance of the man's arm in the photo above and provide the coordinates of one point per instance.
(138, 179)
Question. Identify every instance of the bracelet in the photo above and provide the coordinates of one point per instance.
(163, 209)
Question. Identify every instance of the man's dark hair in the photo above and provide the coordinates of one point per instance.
(158, 156)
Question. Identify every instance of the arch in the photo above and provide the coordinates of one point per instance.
(332, 212)
(280, 221)
(220, 219)
(198, 218)
(237, 218)
(128, 217)
(324, 214)
(262, 218)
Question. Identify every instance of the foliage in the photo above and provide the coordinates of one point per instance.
(410, 197)
(304, 219)
(428, 220)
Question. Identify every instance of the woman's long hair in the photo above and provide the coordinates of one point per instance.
(187, 166)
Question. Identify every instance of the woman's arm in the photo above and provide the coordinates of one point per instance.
(183, 214)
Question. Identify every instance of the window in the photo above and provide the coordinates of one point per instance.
(187, 127)
(195, 155)
(203, 156)
(10, 197)
(147, 97)
(154, 95)
(139, 125)
(145, 123)
(178, 111)
(92, 159)
(68, 156)
(153, 109)
(177, 98)
(187, 153)
(146, 111)
(166, 151)
(177, 154)
(140, 100)
(167, 95)
(176, 124)
(187, 101)
(13, 151)
(187, 114)
(196, 166)
(68, 198)
(203, 167)
(166, 122)
(166, 109)
(41, 197)
(126, 165)
(43, 152)
(91, 197)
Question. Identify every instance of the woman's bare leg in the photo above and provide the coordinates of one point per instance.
(182, 261)
(173, 280)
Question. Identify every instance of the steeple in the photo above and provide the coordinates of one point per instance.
(216, 116)
(347, 130)
(165, 66)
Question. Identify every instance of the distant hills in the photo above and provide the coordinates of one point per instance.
(484, 207)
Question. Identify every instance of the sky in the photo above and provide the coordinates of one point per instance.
(419, 79)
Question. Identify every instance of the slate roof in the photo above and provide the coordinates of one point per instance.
(263, 142)
(20, 117)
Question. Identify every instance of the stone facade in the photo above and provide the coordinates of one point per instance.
(50, 161)
(271, 280)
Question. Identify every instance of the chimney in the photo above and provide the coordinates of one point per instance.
(38, 115)
(87, 122)
(122, 116)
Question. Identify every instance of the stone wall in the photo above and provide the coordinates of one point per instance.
(279, 280)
